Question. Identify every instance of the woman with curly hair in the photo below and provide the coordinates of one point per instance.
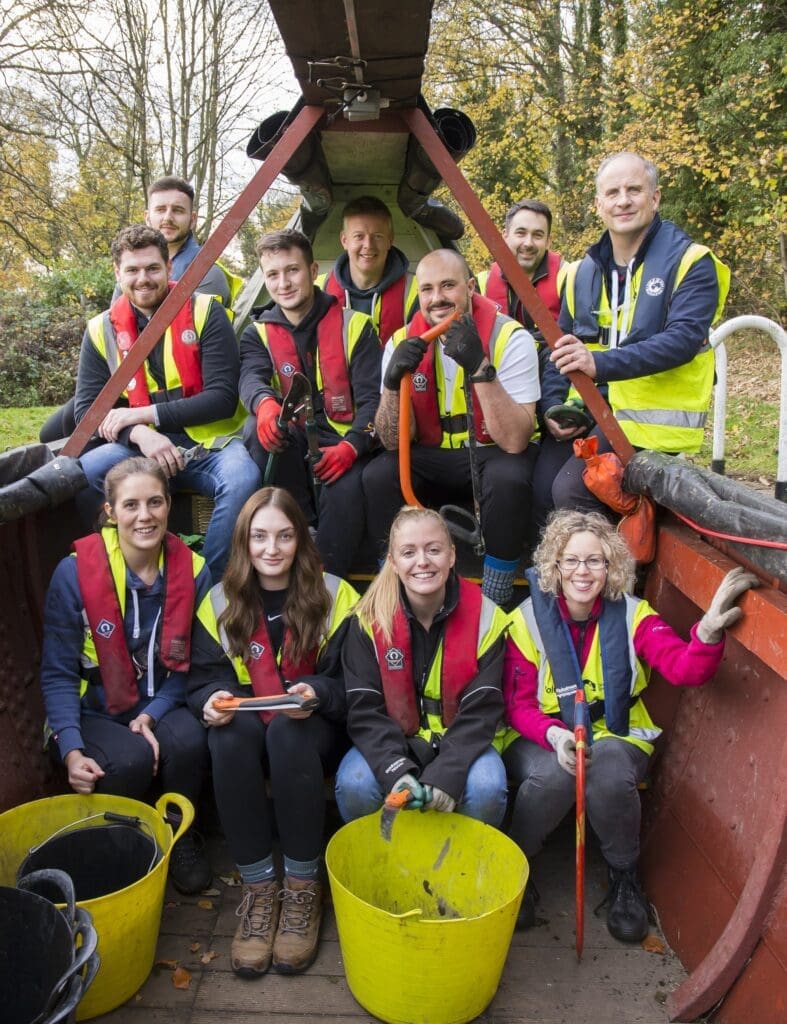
(422, 664)
(581, 627)
(277, 625)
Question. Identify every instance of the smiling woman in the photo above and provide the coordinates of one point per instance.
(117, 627)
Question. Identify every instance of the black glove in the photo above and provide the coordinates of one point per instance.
(406, 357)
(463, 344)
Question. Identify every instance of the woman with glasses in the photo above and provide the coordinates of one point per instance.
(581, 627)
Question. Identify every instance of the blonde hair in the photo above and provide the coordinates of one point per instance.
(378, 605)
(560, 528)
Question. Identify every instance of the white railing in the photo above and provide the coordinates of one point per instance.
(717, 338)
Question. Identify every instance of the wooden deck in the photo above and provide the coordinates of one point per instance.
(542, 981)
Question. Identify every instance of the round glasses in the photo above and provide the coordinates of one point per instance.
(570, 563)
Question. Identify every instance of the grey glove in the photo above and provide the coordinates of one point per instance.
(441, 801)
(418, 793)
(562, 742)
(722, 612)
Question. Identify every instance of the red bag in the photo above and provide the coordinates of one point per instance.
(603, 476)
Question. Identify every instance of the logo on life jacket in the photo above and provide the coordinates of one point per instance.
(256, 650)
(420, 382)
(105, 629)
(189, 337)
(655, 286)
(287, 369)
(131, 384)
(124, 342)
(394, 659)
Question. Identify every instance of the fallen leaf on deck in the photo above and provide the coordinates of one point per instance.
(195, 947)
(169, 964)
(170, 904)
(230, 879)
(181, 978)
(210, 892)
(653, 944)
(205, 904)
(207, 957)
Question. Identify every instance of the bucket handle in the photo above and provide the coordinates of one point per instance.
(60, 880)
(415, 912)
(186, 808)
(111, 817)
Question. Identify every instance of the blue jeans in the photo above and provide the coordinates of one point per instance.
(484, 798)
(227, 475)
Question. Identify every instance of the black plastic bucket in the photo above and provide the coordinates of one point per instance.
(47, 956)
(100, 859)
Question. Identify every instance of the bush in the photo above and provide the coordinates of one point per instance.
(88, 287)
(39, 351)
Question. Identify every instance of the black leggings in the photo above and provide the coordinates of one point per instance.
(127, 757)
(298, 754)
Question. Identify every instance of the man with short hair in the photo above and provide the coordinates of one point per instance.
(307, 331)
(171, 211)
(184, 395)
(637, 311)
(372, 275)
(527, 233)
(499, 358)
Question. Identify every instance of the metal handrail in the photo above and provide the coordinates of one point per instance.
(717, 338)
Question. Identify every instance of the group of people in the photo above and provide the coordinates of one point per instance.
(425, 684)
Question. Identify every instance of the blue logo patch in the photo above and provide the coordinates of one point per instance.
(105, 629)
(256, 650)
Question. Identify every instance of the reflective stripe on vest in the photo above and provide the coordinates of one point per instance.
(338, 332)
(524, 632)
(210, 435)
(390, 309)
(664, 411)
(343, 599)
(454, 665)
(434, 426)
(101, 576)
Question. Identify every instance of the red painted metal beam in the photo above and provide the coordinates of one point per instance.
(305, 121)
(419, 125)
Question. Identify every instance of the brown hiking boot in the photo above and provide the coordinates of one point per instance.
(252, 945)
(296, 941)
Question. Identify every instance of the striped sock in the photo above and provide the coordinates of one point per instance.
(305, 869)
(497, 581)
(260, 871)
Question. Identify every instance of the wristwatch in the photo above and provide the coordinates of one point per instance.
(484, 376)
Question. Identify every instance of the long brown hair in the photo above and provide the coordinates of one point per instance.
(378, 605)
(307, 603)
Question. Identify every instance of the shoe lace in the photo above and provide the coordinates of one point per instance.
(296, 910)
(256, 910)
(623, 886)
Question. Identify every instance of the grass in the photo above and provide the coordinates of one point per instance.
(751, 439)
(21, 426)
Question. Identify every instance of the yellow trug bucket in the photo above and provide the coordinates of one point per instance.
(425, 919)
(127, 921)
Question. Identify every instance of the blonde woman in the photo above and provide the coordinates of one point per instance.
(580, 626)
(422, 663)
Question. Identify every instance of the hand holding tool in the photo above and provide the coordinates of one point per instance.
(463, 344)
(441, 801)
(270, 430)
(405, 358)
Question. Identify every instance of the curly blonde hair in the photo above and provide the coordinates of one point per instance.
(560, 528)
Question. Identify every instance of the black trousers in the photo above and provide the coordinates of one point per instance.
(442, 476)
(296, 755)
(127, 758)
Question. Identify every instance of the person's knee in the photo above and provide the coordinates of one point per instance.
(486, 790)
(357, 791)
(380, 472)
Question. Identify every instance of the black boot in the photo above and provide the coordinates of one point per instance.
(526, 917)
(188, 867)
(628, 910)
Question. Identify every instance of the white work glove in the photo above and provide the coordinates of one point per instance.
(722, 612)
(563, 743)
(419, 795)
(441, 801)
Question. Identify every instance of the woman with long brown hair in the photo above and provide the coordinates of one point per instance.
(277, 624)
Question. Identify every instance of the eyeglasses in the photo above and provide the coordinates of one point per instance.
(595, 563)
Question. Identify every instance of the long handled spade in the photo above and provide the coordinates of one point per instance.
(405, 480)
(580, 739)
(291, 406)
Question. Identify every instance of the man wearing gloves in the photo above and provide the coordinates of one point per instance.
(498, 358)
(307, 331)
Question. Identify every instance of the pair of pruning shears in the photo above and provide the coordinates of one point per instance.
(295, 402)
(189, 455)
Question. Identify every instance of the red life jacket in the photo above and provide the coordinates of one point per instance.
(499, 290)
(185, 348)
(459, 666)
(102, 607)
(423, 386)
(392, 310)
(337, 394)
(267, 677)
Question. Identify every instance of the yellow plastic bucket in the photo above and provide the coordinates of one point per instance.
(127, 921)
(425, 919)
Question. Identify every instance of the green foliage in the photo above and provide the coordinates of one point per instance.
(39, 351)
(21, 426)
(86, 286)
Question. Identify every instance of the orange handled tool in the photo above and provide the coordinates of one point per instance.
(405, 481)
(276, 702)
(580, 739)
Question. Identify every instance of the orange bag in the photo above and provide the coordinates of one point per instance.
(603, 476)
